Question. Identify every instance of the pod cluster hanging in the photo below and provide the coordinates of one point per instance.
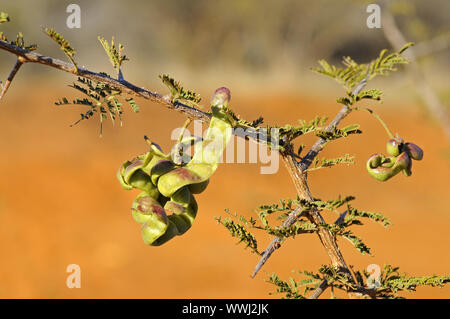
(383, 167)
(166, 206)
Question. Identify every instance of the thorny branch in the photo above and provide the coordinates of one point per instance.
(324, 284)
(11, 76)
(26, 56)
(296, 169)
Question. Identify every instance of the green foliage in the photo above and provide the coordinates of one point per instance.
(288, 133)
(353, 214)
(289, 289)
(240, 122)
(19, 41)
(115, 54)
(300, 227)
(63, 44)
(310, 281)
(350, 99)
(283, 206)
(101, 99)
(238, 230)
(353, 73)
(303, 226)
(324, 162)
(336, 133)
(179, 93)
(355, 241)
(291, 132)
(392, 282)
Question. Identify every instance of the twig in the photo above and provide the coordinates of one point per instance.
(319, 290)
(11, 76)
(129, 88)
(372, 112)
(276, 242)
(324, 284)
(431, 100)
(320, 143)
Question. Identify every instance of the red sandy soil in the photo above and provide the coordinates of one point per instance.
(60, 204)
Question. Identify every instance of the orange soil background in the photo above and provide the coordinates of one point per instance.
(60, 204)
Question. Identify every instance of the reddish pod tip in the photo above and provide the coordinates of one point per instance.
(223, 93)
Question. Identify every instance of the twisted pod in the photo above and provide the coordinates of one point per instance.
(166, 206)
(383, 167)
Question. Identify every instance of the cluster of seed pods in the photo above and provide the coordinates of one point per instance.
(383, 167)
(166, 206)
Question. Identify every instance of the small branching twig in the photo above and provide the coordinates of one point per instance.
(11, 76)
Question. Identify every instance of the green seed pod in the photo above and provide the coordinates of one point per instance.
(169, 208)
(376, 169)
(131, 176)
(198, 188)
(147, 211)
(120, 177)
(146, 207)
(393, 147)
(162, 166)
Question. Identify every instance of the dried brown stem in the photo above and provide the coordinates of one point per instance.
(11, 76)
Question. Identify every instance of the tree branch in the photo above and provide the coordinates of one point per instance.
(276, 242)
(129, 88)
(324, 284)
(11, 76)
(297, 171)
(320, 143)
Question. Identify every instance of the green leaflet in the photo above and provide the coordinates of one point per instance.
(63, 44)
(166, 206)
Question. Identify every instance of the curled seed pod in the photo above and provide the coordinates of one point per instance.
(146, 207)
(377, 169)
(131, 176)
(393, 147)
(414, 151)
(377, 160)
(166, 206)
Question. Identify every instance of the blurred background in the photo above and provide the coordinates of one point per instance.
(60, 203)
